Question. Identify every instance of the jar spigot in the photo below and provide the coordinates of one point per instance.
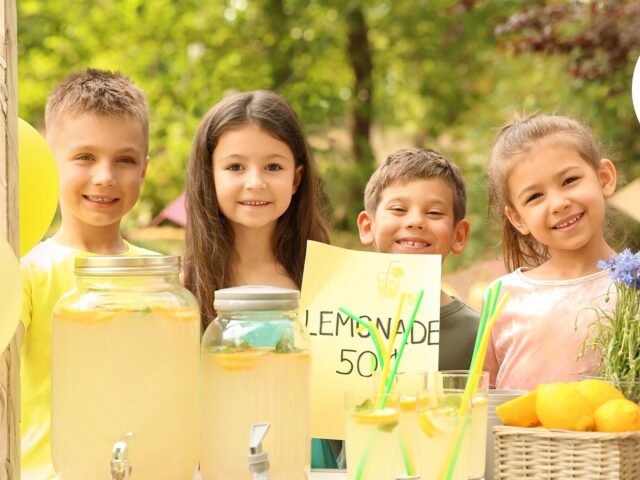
(120, 463)
(258, 459)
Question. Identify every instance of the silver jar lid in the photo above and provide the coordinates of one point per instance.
(120, 265)
(256, 297)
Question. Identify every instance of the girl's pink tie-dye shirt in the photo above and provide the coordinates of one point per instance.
(540, 333)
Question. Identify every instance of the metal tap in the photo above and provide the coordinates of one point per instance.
(120, 464)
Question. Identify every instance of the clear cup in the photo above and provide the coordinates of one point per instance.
(407, 385)
(372, 435)
(442, 430)
(457, 380)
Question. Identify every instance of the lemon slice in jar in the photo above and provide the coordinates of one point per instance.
(243, 360)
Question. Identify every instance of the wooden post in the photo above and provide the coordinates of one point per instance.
(9, 226)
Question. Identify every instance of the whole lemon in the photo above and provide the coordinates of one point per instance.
(597, 392)
(519, 412)
(617, 415)
(560, 405)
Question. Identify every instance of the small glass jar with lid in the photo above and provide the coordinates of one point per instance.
(125, 366)
(255, 370)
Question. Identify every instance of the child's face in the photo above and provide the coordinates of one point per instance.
(255, 176)
(101, 161)
(558, 197)
(416, 217)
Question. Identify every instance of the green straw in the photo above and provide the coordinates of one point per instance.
(456, 451)
(405, 337)
(405, 456)
(408, 464)
(369, 329)
(472, 383)
(487, 310)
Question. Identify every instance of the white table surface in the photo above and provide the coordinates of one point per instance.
(328, 475)
(315, 475)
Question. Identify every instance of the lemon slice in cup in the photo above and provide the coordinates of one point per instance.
(384, 416)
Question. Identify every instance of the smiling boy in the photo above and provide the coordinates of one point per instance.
(415, 203)
(97, 126)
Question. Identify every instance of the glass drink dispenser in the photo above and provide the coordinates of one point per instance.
(255, 371)
(125, 372)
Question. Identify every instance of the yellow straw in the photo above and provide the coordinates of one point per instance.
(472, 385)
(392, 338)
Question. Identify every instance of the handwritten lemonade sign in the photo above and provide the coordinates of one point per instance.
(369, 285)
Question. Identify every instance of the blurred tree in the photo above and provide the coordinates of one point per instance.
(601, 44)
(388, 73)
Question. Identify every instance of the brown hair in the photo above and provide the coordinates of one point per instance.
(99, 92)
(410, 164)
(209, 236)
(513, 141)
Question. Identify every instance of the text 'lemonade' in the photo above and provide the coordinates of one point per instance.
(125, 366)
(255, 369)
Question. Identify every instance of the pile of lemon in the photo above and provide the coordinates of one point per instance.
(589, 405)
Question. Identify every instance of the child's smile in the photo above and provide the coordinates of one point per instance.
(557, 197)
(569, 224)
(255, 176)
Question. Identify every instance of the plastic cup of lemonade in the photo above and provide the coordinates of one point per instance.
(372, 435)
(441, 428)
(457, 380)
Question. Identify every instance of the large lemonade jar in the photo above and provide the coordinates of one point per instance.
(125, 372)
(255, 370)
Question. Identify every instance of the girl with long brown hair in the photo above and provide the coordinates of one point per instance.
(253, 198)
(548, 184)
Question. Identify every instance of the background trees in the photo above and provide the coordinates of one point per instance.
(365, 77)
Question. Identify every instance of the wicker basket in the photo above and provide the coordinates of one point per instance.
(561, 454)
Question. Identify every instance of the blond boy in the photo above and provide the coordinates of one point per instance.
(415, 202)
(97, 127)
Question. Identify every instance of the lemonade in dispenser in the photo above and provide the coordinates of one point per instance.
(125, 362)
(255, 370)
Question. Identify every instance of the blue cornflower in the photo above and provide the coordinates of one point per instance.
(623, 267)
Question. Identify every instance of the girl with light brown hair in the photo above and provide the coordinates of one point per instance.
(253, 198)
(548, 184)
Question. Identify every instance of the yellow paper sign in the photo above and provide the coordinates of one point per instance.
(368, 285)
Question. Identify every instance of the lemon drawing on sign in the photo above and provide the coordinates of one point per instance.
(389, 280)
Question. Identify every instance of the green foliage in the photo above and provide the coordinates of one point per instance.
(441, 79)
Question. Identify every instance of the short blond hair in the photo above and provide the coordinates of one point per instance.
(411, 164)
(99, 92)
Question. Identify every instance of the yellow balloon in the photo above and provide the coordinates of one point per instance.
(38, 176)
(10, 294)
